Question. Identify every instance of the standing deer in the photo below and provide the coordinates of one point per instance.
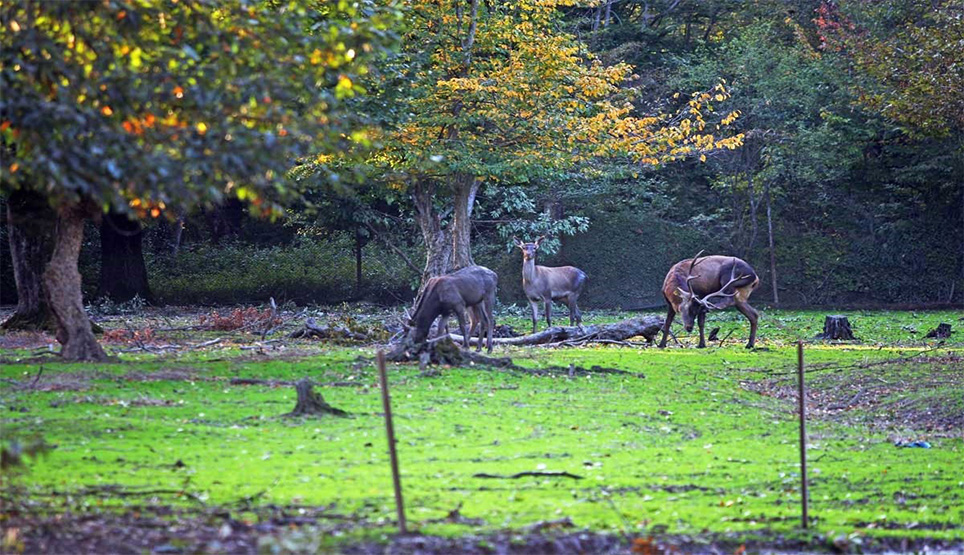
(469, 291)
(697, 285)
(544, 284)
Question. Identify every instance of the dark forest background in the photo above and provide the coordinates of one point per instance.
(861, 209)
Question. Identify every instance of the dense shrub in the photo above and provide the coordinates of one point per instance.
(307, 271)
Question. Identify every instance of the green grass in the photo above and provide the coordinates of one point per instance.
(685, 444)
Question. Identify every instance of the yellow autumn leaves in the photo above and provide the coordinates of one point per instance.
(523, 89)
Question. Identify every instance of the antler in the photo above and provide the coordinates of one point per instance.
(695, 261)
(689, 279)
(705, 300)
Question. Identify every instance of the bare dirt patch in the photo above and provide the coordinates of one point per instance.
(922, 394)
(26, 340)
(163, 529)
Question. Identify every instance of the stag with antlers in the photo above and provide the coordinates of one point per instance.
(698, 285)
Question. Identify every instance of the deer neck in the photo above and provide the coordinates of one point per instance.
(529, 270)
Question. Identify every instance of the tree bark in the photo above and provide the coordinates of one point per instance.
(30, 224)
(62, 281)
(773, 254)
(465, 187)
(438, 243)
(754, 204)
(448, 246)
(123, 274)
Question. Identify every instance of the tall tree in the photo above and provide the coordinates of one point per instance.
(123, 273)
(795, 114)
(144, 107)
(910, 59)
(30, 224)
(498, 94)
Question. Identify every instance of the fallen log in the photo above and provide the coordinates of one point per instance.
(313, 329)
(443, 351)
(646, 326)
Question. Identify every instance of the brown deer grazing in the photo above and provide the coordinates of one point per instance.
(697, 285)
(457, 294)
(544, 284)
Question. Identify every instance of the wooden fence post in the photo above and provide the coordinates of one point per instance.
(390, 429)
(801, 395)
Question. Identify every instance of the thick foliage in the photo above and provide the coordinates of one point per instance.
(146, 106)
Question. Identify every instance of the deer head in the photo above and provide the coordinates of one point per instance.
(528, 249)
(690, 306)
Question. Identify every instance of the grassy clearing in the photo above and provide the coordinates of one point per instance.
(691, 442)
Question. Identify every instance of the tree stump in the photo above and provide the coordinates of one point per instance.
(311, 403)
(942, 331)
(837, 326)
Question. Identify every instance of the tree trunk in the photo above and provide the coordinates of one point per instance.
(773, 254)
(123, 274)
(464, 188)
(30, 224)
(754, 227)
(62, 281)
(225, 220)
(438, 243)
(646, 326)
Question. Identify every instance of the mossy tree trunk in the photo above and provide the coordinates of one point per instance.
(63, 289)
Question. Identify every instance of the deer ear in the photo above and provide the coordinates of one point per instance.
(539, 240)
(517, 242)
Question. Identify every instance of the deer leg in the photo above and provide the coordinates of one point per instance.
(572, 314)
(535, 314)
(443, 326)
(669, 320)
(489, 308)
(478, 319)
(460, 314)
(548, 312)
(574, 309)
(753, 316)
(701, 320)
